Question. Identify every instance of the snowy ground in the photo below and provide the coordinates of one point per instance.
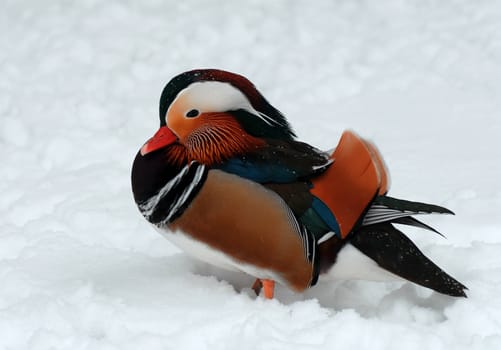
(80, 82)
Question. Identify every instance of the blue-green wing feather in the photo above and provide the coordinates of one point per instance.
(279, 162)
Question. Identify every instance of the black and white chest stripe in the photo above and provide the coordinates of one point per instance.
(173, 198)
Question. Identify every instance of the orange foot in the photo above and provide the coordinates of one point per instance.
(268, 285)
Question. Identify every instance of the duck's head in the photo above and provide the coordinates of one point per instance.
(214, 115)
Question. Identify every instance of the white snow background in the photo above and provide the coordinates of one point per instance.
(79, 89)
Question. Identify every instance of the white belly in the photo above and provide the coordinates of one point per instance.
(204, 252)
(352, 264)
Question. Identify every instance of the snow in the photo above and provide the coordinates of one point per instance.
(80, 267)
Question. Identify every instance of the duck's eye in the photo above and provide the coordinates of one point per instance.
(193, 113)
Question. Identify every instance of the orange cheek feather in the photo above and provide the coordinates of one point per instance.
(211, 138)
(178, 123)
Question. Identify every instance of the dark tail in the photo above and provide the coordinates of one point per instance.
(388, 209)
(393, 251)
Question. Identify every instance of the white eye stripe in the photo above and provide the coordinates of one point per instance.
(214, 96)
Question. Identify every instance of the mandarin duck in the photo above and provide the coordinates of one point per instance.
(225, 179)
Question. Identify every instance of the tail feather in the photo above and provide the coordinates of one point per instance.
(388, 209)
(418, 207)
(394, 252)
(410, 221)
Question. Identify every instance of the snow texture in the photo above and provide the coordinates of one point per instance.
(81, 268)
